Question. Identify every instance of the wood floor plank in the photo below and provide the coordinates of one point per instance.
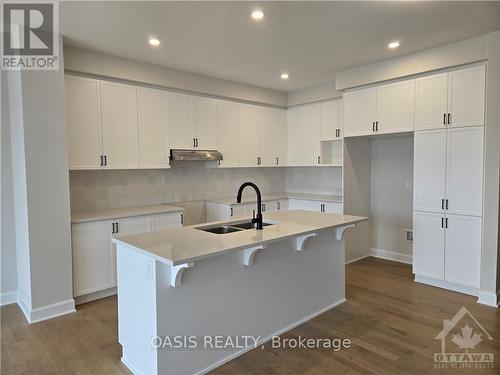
(390, 319)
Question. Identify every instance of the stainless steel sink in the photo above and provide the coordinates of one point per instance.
(249, 225)
(223, 229)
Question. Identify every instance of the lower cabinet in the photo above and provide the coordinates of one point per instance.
(94, 257)
(447, 247)
(220, 211)
(316, 206)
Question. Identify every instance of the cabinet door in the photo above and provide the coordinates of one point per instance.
(431, 102)
(93, 268)
(266, 133)
(293, 136)
(464, 180)
(429, 170)
(181, 119)
(428, 244)
(310, 135)
(463, 250)
(165, 221)
(154, 143)
(334, 208)
(205, 117)
(119, 125)
(282, 205)
(227, 133)
(307, 205)
(360, 112)
(466, 94)
(396, 107)
(280, 137)
(247, 130)
(329, 120)
(83, 121)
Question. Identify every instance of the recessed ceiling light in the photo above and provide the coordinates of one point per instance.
(257, 15)
(154, 42)
(284, 76)
(393, 45)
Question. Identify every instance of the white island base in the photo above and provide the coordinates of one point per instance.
(282, 287)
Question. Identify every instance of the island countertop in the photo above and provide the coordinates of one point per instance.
(187, 244)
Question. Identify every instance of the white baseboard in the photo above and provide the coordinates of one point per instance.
(391, 255)
(268, 338)
(489, 298)
(356, 259)
(7, 298)
(39, 314)
(96, 295)
(447, 285)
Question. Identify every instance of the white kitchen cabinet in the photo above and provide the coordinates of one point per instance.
(315, 205)
(247, 135)
(94, 257)
(154, 143)
(431, 101)
(463, 250)
(266, 124)
(331, 120)
(429, 181)
(165, 221)
(466, 96)
(294, 136)
(83, 121)
(464, 171)
(227, 133)
(93, 268)
(205, 120)
(120, 133)
(280, 137)
(360, 112)
(181, 121)
(429, 244)
(303, 135)
(395, 107)
(451, 99)
(333, 208)
(282, 205)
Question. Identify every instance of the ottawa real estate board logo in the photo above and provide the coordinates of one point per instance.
(463, 334)
(30, 35)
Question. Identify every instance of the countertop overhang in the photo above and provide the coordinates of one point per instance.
(187, 244)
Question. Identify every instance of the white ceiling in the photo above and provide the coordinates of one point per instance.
(310, 40)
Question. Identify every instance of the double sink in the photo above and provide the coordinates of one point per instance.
(231, 227)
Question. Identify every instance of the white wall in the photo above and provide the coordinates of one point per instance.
(8, 240)
(87, 62)
(314, 180)
(391, 201)
(41, 192)
(322, 91)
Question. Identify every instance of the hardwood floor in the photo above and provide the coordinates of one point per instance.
(391, 320)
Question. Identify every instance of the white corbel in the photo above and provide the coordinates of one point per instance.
(340, 231)
(249, 253)
(299, 242)
(176, 273)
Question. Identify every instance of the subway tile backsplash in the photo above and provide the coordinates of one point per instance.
(104, 189)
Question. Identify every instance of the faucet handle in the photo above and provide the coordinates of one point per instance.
(253, 213)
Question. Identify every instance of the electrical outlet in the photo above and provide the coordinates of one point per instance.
(409, 235)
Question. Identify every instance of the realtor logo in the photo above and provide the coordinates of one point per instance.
(30, 35)
(466, 333)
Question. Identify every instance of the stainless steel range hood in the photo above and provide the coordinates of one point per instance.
(203, 155)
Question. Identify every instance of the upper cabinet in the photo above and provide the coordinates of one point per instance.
(280, 137)
(303, 135)
(120, 133)
(331, 122)
(154, 142)
(247, 135)
(205, 119)
(266, 124)
(455, 98)
(182, 121)
(383, 109)
(83, 121)
(227, 133)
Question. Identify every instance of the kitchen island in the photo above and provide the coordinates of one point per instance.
(195, 284)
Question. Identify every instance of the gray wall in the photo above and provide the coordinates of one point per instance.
(8, 241)
(87, 62)
(322, 91)
(391, 201)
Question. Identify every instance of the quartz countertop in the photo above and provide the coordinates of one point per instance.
(251, 198)
(117, 213)
(187, 244)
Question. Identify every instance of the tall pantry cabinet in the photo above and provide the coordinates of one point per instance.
(448, 179)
